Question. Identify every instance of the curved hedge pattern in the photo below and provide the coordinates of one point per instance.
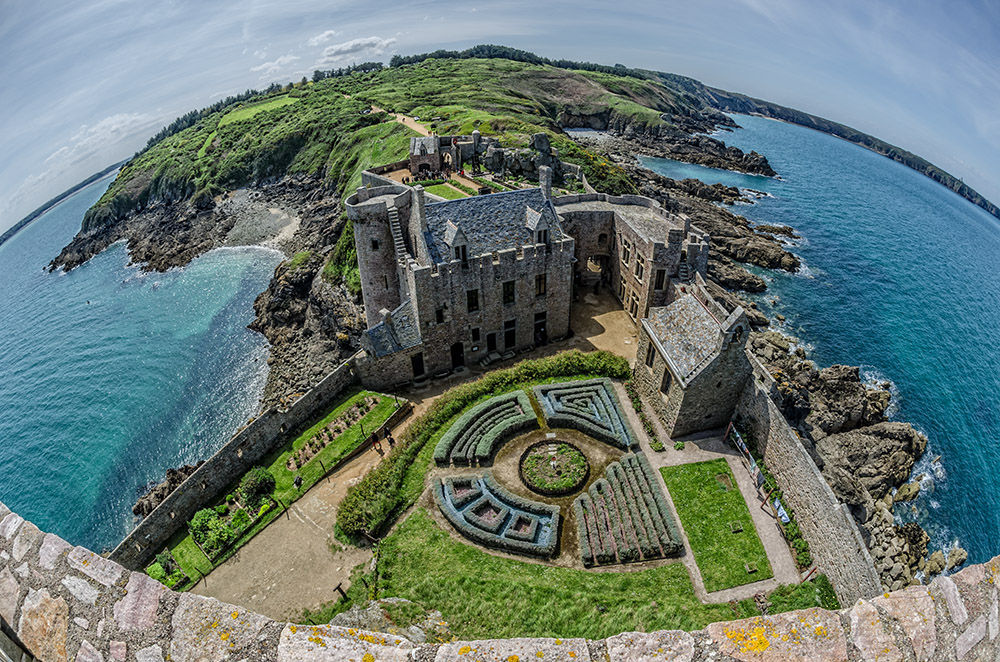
(485, 512)
(479, 432)
(625, 517)
(589, 406)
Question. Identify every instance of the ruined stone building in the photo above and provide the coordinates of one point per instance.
(449, 283)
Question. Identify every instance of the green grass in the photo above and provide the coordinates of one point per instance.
(483, 596)
(191, 559)
(207, 144)
(706, 509)
(445, 191)
(247, 112)
(299, 259)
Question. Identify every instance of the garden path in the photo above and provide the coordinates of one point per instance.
(709, 447)
(405, 121)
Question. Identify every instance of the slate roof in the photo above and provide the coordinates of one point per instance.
(686, 331)
(402, 332)
(490, 222)
(430, 143)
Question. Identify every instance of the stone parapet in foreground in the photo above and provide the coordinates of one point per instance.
(67, 603)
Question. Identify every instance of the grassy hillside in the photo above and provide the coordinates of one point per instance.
(318, 128)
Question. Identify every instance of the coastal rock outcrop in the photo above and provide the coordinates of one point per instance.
(148, 502)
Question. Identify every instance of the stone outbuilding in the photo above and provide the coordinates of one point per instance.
(692, 363)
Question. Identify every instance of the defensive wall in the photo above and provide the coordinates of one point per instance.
(59, 602)
(247, 448)
(832, 534)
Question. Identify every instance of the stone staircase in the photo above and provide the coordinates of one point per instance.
(684, 273)
(397, 235)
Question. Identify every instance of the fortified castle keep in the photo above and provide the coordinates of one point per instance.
(449, 282)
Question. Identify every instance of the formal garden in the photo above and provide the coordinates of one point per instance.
(524, 482)
(217, 532)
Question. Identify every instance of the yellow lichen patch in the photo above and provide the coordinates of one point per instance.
(513, 658)
(293, 629)
(235, 615)
(754, 640)
(572, 653)
(368, 657)
(224, 636)
(558, 642)
(464, 650)
(539, 654)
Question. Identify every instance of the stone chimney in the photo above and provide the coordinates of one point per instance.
(545, 181)
(418, 207)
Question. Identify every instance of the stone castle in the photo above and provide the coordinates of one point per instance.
(451, 282)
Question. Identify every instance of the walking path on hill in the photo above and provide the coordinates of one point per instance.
(404, 120)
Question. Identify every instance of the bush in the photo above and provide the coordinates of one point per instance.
(200, 524)
(156, 571)
(255, 485)
(370, 503)
(240, 520)
(166, 561)
(222, 510)
(678, 445)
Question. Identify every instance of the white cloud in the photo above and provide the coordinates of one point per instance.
(339, 53)
(323, 38)
(275, 65)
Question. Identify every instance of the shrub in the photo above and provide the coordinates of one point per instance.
(265, 509)
(222, 510)
(678, 445)
(255, 485)
(156, 571)
(240, 520)
(370, 503)
(166, 561)
(200, 524)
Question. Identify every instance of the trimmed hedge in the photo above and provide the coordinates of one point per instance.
(627, 507)
(488, 534)
(480, 431)
(589, 406)
(370, 504)
(473, 493)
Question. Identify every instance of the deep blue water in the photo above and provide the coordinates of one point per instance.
(901, 277)
(109, 376)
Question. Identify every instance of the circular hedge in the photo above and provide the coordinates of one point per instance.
(563, 471)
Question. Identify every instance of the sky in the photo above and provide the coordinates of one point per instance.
(88, 82)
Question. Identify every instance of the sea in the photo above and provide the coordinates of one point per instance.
(109, 376)
(900, 277)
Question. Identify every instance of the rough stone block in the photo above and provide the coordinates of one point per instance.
(95, 566)
(869, 635)
(82, 623)
(810, 635)
(913, 609)
(27, 537)
(206, 629)
(994, 617)
(956, 607)
(44, 625)
(119, 650)
(88, 653)
(9, 589)
(81, 590)
(972, 636)
(304, 643)
(513, 650)
(52, 548)
(150, 654)
(9, 525)
(137, 610)
(670, 645)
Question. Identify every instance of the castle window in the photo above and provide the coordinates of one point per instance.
(661, 275)
(621, 289)
(540, 285)
(374, 244)
(462, 254)
(665, 384)
(475, 335)
(508, 292)
(542, 237)
(626, 251)
(385, 279)
(472, 300)
(650, 355)
(439, 315)
(633, 307)
(640, 266)
(602, 239)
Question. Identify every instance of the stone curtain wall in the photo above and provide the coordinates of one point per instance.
(247, 448)
(827, 526)
(66, 603)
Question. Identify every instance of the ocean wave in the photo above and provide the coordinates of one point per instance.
(874, 377)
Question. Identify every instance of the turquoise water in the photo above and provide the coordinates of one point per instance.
(901, 278)
(109, 376)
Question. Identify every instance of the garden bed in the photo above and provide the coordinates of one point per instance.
(725, 554)
(553, 468)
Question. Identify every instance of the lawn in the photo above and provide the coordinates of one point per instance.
(483, 596)
(246, 112)
(707, 508)
(195, 564)
(445, 191)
